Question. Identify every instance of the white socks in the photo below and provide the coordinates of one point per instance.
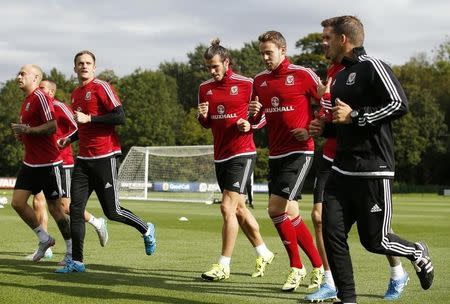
(263, 251)
(329, 278)
(397, 272)
(225, 261)
(68, 246)
(42, 235)
(95, 222)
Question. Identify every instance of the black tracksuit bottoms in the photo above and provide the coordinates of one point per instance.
(99, 175)
(366, 201)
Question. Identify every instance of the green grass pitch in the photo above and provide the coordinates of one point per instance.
(122, 273)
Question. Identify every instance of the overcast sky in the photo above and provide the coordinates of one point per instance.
(126, 35)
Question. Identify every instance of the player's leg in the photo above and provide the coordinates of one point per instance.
(80, 191)
(29, 182)
(230, 228)
(231, 180)
(250, 227)
(338, 218)
(40, 210)
(374, 228)
(398, 280)
(53, 192)
(327, 290)
(99, 224)
(106, 187)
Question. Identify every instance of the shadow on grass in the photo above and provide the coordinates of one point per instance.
(99, 279)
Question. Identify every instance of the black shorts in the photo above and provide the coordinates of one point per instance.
(234, 174)
(322, 174)
(66, 177)
(37, 179)
(287, 175)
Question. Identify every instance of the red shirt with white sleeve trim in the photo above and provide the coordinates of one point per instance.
(285, 95)
(228, 101)
(66, 128)
(96, 140)
(329, 148)
(40, 150)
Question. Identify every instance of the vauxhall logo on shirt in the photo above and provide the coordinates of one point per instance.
(221, 110)
(275, 101)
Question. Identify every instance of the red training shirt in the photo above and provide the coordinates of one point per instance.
(228, 101)
(285, 95)
(66, 128)
(96, 140)
(40, 150)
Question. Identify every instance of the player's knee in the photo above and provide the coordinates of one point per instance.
(372, 245)
(227, 210)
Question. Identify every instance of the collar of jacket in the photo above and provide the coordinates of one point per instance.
(349, 61)
(282, 66)
(227, 75)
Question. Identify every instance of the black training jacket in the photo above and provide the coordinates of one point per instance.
(365, 148)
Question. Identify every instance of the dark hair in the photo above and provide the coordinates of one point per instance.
(349, 26)
(84, 52)
(216, 49)
(273, 36)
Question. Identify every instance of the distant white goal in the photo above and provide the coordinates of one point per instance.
(169, 173)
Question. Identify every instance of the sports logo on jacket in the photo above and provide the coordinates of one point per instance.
(275, 101)
(27, 107)
(209, 92)
(263, 84)
(88, 95)
(233, 90)
(289, 80)
(351, 78)
(220, 109)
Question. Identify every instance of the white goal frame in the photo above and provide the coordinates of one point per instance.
(200, 186)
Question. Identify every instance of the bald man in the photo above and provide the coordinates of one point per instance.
(66, 126)
(41, 167)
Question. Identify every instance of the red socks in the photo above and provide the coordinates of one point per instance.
(306, 242)
(288, 236)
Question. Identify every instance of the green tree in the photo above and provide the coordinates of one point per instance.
(192, 133)
(420, 135)
(64, 86)
(311, 54)
(247, 61)
(153, 114)
(11, 98)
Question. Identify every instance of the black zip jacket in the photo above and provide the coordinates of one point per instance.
(365, 148)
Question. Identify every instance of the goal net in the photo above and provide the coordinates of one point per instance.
(170, 173)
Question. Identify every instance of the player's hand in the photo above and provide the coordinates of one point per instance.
(254, 107)
(341, 112)
(322, 89)
(81, 118)
(63, 142)
(203, 109)
(300, 134)
(243, 125)
(316, 125)
(19, 129)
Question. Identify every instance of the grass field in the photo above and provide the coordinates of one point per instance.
(122, 273)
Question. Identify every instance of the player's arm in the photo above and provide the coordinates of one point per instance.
(392, 100)
(115, 117)
(203, 110)
(45, 129)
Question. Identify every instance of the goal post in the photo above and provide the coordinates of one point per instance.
(169, 173)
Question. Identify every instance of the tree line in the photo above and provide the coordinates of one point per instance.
(161, 107)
